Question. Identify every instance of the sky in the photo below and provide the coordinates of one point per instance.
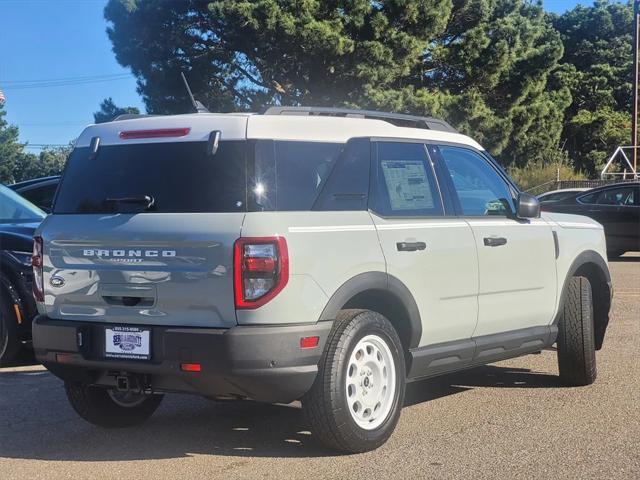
(62, 39)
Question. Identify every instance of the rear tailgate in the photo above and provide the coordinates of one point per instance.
(142, 230)
(160, 269)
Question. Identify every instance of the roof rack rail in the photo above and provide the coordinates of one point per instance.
(398, 119)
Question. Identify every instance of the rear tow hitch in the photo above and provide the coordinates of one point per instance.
(133, 384)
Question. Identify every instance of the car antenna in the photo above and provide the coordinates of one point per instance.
(200, 108)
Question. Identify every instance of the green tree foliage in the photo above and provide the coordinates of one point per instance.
(11, 150)
(482, 64)
(16, 164)
(492, 65)
(598, 58)
(109, 110)
(50, 161)
(247, 54)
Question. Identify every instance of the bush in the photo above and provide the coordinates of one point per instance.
(535, 174)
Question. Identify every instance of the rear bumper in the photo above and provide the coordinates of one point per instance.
(264, 363)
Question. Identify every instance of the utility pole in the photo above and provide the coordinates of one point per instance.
(634, 120)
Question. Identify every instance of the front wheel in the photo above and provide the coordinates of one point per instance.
(356, 400)
(110, 408)
(576, 338)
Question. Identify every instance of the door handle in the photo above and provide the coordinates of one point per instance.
(410, 246)
(494, 241)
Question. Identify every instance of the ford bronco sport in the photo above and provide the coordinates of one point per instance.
(322, 255)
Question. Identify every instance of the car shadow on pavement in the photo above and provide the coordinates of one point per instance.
(36, 421)
(490, 376)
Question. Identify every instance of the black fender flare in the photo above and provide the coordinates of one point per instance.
(376, 281)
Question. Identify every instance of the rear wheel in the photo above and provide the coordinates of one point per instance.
(576, 340)
(9, 340)
(356, 400)
(110, 408)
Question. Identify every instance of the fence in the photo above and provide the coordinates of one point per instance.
(562, 184)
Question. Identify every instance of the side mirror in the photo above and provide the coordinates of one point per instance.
(528, 206)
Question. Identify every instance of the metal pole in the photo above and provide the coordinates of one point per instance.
(634, 120)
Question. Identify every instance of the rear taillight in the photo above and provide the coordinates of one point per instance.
(260, 270)
(36, 263)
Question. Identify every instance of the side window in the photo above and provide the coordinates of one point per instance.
(288, 175)
(623, 196)
(41, 196)
(590, 198)
(481, 190)
(347, 187)
(404, 181)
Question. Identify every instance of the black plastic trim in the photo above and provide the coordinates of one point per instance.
(264, 363)
(438, 359)
(371, 281)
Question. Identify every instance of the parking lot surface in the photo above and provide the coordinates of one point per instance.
(508, 420)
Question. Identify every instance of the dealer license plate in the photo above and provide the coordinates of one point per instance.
(127, 343)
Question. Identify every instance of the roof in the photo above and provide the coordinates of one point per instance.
(281, 126)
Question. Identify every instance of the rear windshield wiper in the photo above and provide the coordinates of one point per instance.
(146, 200)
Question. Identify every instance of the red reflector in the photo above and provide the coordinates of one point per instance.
(257, 264)
(309, 342)
(158, 133)
(64, 357)
(190, 367)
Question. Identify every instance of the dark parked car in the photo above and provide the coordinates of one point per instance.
(560, 194)
(39, 191)
(616, 207)
(18, 220)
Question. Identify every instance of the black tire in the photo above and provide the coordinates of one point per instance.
(326, 404)
(10, 344)
(96, 406)
(576, 339)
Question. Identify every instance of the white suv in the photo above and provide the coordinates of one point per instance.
(318, 254)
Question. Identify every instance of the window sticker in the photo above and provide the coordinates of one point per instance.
(407, 184)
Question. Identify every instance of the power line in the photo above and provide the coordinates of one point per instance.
(65, 83)
(79, 77)
(42, 146)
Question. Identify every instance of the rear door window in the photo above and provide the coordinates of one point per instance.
(623, 196)
(405, 183)
(179, 176)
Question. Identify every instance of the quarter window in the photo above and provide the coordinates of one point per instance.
(481, 190)
(405, 181)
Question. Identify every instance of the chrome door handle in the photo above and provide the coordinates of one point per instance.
(410, 246)
(494, 241)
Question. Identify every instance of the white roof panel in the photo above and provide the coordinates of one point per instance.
(239, 126)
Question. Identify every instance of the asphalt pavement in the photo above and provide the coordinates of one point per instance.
(508, 420)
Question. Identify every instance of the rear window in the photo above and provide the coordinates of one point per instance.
(261, 175)
(180, 177)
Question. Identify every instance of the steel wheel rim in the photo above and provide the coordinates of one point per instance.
(370, 382)
(126, 399)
